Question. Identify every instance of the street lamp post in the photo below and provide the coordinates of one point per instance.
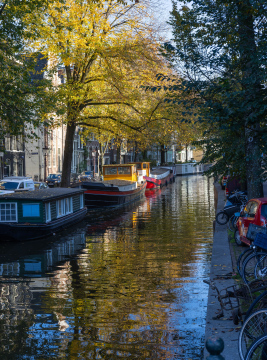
(93, 155)
(45, 152)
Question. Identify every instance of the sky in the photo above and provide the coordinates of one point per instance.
(166, 6)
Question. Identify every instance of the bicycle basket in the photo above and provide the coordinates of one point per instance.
(253, 230)
(232, 295)
(261, 241)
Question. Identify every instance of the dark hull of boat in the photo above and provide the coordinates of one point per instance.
(153, 183)
(109, 197)
(23, 232)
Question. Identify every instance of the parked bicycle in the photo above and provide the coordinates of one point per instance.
(255, 265)
(252, 232)
(239, 298)
(232, 223)
(232, 206)
(253, 329)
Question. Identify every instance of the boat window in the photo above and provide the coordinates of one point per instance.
(144, 166)
(60, 208)
(124, 170)
(68, 205)
(21, 185)
(138, 166)
(47, 212)
(81, 201)
(8, 212)
(30, 210)
(6, 185)
(111, 171)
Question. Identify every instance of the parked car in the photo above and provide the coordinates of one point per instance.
(11, 184)
(255, 212)
(39, 185)
(53, 180)
(85, 175)
(73, 178)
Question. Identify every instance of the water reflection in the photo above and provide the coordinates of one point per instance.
(125, 284)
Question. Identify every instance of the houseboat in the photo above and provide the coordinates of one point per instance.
(121, 185)
(31, 215)
(155, 178)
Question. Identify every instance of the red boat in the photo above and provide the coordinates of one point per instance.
(159, 177)
(156, 178)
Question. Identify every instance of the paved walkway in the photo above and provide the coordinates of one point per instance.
(223, 264)
(221, 267)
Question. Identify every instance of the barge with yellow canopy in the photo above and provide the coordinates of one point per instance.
(121, 185)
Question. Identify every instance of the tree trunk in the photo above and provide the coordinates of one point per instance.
(144, 155)
(135, 151)
(251, 84)
(118, 154)
(68, 151)
(186, 152)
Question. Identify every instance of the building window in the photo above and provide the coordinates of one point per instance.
(7, 143)
(58, 160)
(49, 159)
(47, 212)
(54, 156)
(30, 210)
(106, 160)
(8, 212)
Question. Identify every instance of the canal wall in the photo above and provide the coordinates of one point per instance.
(221, 271)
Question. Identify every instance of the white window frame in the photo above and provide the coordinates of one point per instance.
(81, 201)
(62, 208)
(47, 212)
(16, 209)
(68, 204)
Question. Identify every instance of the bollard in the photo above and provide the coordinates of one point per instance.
(215, 347)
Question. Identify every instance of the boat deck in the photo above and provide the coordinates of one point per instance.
(159, 171)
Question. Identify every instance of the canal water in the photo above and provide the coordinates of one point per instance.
(124, 284)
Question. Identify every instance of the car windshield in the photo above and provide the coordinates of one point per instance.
(53, 176)
(6, 185)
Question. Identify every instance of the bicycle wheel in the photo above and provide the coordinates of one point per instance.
(261, 268)
(242, 257)
(222, 218)
(231, 223)
(258, 350)
(248, 269)
(259, 303)
(254, 326)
